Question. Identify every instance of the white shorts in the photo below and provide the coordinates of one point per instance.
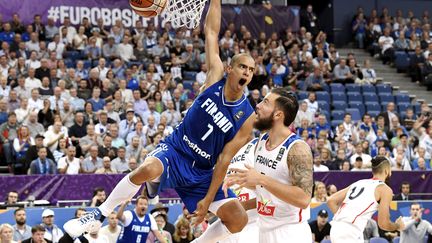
(298, 233)
(342, 232)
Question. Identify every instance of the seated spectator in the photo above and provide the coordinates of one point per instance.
(399, 163)
(155, 141)
(427, 72)
(11, 198)
(132, 165)
(320, 227)
(61, 150)
(358, 164)
(21, 231)
(21, 144)
(106, 169)
(304, 113)
(52, 231)
(69, 164)
(38, 233)
(325, 157)
(420, 152)
(386, 44)
(346, 166)
(366, 158)
(421, 165)
(183, 232)
(331, 189)
(160, 208)
(42, 165)
(53, 136)
(161, 220)
(112, 229)
(99, 196)
(320, 194)
(120, 163)
(140, 132)
(342, 73)
(92, 162)
(404, 194)
(106, 148)
(369, 75)
(6, 233)
(315, 81)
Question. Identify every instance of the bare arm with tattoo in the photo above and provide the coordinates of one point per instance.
(300, 168)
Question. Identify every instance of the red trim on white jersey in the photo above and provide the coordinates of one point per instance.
(300, 215)
(362, 212)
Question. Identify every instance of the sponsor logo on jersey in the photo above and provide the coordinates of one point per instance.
(195, 148)
(243, 197)
(248, 148)
(264, 209)
(239, 115)
(281, 153)
(218, 117)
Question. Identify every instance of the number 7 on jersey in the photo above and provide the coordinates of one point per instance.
(210, 130)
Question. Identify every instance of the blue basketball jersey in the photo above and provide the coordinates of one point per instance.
(209, 124)
(136, 231)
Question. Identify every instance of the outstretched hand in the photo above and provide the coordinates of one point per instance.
(248, 177)
(200, 212)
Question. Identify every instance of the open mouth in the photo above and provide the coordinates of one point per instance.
(242, 81)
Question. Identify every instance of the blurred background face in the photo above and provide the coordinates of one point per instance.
(415, 209)
(112, 220)
(20, 217)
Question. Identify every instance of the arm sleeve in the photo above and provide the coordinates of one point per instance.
(128, 218)
(153, 224)
(61, 163)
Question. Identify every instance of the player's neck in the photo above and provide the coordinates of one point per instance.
(277, 134)
(380, 177)
(231, 95)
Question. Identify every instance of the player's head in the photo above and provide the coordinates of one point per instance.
(278, 106)
(240, 71)
(381, 166)
(141, 206)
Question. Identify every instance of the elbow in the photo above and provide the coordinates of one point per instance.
(305, 203)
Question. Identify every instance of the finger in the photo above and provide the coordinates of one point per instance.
(238, 170)
(225, 189)
(248, 166)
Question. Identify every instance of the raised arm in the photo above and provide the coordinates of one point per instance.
(385, 195)
(211, 31)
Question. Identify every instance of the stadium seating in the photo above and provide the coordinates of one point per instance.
(339, 105)
(368, 88)
(323, 96)
(353, 88)
(355, 114)
(335, 87)
(339, 96)
(378, 240)
(337, 114)
(370, 97)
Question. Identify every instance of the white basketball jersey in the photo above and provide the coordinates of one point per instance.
(245, 156)
(359, 204)
(274, 212)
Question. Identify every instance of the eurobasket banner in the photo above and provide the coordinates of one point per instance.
(255, 17)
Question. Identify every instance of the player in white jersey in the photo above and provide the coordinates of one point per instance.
(282, 175)
(354, 205)
(249, 234)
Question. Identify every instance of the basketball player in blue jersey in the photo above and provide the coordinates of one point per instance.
(137, 223)
(194, 159)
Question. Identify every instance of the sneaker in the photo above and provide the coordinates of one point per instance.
(89, 223)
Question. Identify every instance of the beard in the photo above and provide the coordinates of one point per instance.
(21, 222)
(265, 123)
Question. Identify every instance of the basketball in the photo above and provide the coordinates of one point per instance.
(147, 8)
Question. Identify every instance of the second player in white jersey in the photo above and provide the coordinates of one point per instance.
(273, 211)
(354, 205)
(282, 175)
(249, 234)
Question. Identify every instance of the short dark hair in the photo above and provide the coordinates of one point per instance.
(98, 189)
(288, 103)
(378, 164)
(37, 228)
(18, 209)
(141, 197)
(405, 183)
(79, 209)
(359, 159)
